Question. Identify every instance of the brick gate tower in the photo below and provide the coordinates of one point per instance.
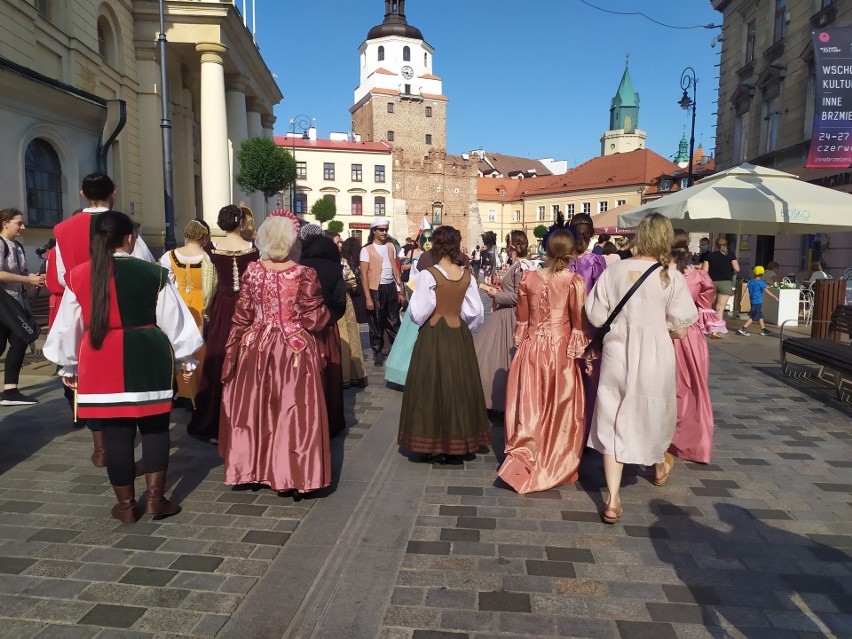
(400, 100)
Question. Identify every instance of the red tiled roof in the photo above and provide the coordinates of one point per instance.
(384, 71)
(429, 76)
(435, 96)
(331, 145)
(638, 167)
(511, 165)
(489, 189)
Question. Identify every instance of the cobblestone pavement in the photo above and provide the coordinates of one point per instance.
(755, 545)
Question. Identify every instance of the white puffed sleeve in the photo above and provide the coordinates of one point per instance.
(422, 303)
(63, 341)
(472, 311)
(175, 320)
(166, 263)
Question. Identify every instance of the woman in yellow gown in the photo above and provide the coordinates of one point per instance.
(193, 273)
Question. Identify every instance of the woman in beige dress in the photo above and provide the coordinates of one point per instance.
(636, 409)
(351, 352)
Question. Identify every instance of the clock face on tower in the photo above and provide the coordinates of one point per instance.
(407, 72)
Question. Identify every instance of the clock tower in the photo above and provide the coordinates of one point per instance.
(400, 100)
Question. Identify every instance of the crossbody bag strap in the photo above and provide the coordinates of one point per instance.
(629, 294)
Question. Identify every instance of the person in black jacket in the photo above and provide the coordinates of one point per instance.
(321, 254)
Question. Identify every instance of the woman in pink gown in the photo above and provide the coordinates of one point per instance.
(545, 403)
(274, 428)
(693, 437)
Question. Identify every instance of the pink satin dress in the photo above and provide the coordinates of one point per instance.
(274, 427)
(545, 402)
(693, 437)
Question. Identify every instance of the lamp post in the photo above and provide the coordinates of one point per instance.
(303, 123)
(687, 81)
(170, 241)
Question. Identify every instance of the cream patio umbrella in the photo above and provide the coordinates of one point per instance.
(750, 199)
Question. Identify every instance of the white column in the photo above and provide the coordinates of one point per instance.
(255, 130)
(215, 167)
(268, 122)
(237, 132)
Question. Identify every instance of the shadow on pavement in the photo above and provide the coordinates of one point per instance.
(798, 583)
(810, 385)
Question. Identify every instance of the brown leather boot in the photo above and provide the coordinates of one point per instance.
(124, 510)
(155, 503)
(99, 452)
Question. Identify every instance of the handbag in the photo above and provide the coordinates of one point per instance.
(18, 319)
(597, 340)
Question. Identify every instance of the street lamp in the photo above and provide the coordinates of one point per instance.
(170, 241)
(687, 81)
(303, 123)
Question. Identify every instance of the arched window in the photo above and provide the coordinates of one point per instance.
(44, 184)
(406, 54)
(106, 40)
(426, 60)
(381, 53)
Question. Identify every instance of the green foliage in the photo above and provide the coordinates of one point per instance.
(264, 167)
(324, 210)
(336, 226)
(540, 231)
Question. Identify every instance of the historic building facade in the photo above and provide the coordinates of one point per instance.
(765, 115)
(77, 74)
(624, 134)
(399, 100)
(356, 176)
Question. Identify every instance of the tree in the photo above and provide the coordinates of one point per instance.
(264, 167)
(324, 210)
(336, 226)
(540, 231)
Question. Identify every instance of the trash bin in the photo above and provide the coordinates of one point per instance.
(828, 295)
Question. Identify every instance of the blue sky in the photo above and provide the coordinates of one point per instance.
(532, 78)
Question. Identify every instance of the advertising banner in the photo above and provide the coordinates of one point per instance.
(831, 139)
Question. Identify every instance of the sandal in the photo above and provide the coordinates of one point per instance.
(668, 462)
(611, 515)
(715, 336)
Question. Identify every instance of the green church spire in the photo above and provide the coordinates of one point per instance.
(624, 109)
(682, 151)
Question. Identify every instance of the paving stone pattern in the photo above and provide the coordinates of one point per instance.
(67, 569)
(756, 544)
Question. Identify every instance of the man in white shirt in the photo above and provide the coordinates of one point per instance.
(381, 279)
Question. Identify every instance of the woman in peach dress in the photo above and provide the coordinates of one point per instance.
(545, 403)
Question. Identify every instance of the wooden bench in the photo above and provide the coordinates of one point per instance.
(833, 353)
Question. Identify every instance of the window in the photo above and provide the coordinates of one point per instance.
(502, 192)
(407, 90)
(357, 205)
(406, 54)
(741, 138)
(390, 107)
(492, 215)
(620, 202)
(390, 136)
(428, 112)
(554, 211)
(357, 234)
(428, 138)
(587, 208)
(301, 170)
(684, 182)
(379, 206)
(328, 170)
(380, 173)
(43, 7)
(300, 203)
(540, 214)
(751, 36)
(603, 206)
(357, 173)
(769, 130)
(44, 185)
(516, 217)
(437, 213)
(569, 210)
(381, 53)
(665, 184)
(780, 20)
(102, 38)
(425, 59)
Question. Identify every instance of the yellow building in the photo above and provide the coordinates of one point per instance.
(75, 73)
(357, 176)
